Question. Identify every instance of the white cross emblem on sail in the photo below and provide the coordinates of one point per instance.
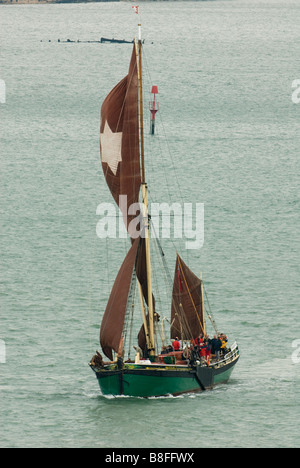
(111, 148)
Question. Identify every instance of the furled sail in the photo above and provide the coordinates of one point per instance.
(114, 316)
(187, 316)
(119, 142)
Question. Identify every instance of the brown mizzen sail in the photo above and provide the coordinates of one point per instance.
(187, 314)
(114, 316)
(119, 141)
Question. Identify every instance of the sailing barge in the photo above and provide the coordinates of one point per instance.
(152, 372)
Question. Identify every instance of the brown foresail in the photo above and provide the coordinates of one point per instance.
(114, 316)
(119, 141)
(187, 316)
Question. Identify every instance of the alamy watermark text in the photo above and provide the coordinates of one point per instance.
(168, 221)
(296, 93)
(2, 92)
(296, 353)
(2, 352)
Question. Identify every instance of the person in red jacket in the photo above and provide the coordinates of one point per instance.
(199, 340)
(203, 354)
(176, 344)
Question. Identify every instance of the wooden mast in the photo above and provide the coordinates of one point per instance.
(150, 342)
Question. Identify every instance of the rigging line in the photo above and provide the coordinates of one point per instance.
(183, 321)
(210, 315)
(197, 315)
(107, 262)
(163, 225)
(178, 185)
(146, 66)
(157, 297)
(162, 159)
(185, 328)
(128, 322)
(92, 273)
(172, 160)
(158, 307)
(164, 269)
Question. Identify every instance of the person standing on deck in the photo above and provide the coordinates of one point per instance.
(218, 345)
(208, 353)
(203, 349)
(213, 344)
(176, 344)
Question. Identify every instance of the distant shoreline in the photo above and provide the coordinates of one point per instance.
(43, 2)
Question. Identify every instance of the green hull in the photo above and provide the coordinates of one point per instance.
(159, 380)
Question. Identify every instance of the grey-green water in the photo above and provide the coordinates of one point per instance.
(225, 71)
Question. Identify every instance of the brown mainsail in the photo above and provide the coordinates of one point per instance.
(121, 163)
(187, 314)
(119, 141)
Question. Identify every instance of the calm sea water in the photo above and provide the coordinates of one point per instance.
(225, 71)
